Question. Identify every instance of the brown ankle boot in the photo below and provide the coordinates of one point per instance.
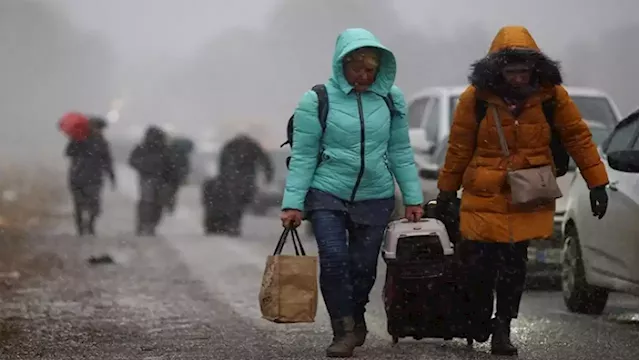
(344, 339)
(360, 329)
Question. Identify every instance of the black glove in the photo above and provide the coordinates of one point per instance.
(443, 201)
(599, 201)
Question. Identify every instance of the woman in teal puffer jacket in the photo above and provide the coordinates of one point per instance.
(349, 188)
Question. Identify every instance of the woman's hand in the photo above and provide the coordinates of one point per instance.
(413, 212)
(291, 218)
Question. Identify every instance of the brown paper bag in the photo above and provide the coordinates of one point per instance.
(289, 291)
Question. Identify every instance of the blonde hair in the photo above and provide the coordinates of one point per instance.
(369, 56)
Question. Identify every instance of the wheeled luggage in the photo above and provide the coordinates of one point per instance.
(222, 213)
(423, 295)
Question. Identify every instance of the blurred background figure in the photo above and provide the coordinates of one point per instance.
(90, 161)
(180, 149)
(226, 197)
(153, 161)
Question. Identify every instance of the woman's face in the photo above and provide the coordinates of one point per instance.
(517, 75)
(361, 67)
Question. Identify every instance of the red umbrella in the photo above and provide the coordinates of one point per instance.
(75, 125)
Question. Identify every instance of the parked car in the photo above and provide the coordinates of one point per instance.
(431, 111)
(600, 256)
(545, 255)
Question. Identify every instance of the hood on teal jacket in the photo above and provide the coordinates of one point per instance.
(353, 39)
(363, 146)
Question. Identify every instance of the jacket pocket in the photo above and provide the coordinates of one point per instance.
(323, 158)
(485, 182)
(538, 160)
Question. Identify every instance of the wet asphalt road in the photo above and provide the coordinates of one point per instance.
(185, 296)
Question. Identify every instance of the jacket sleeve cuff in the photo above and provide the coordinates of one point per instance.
(292, 202)
(414, 199)
(595, 176)
(449, 181)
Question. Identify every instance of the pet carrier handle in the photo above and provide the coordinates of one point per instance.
(405, 221)
(296, 242)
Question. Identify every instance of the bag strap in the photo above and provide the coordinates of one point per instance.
(297, 244)
(503, 141)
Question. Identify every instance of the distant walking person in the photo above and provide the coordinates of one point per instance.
(240, 159)
(180, 148)
(152, 160)
(90, 161)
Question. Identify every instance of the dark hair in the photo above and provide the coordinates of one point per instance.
(98, 122)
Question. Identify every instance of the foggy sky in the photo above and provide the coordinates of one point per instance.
(188, 62)
(142, 30)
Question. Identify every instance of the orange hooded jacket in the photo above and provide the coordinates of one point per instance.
(481, 170)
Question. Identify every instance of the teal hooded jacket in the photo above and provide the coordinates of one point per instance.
(363, 146)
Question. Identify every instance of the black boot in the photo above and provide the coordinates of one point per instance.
(360, 329)
(501, 338)
(344, 339)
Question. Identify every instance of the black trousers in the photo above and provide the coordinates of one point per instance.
(87, 198)
(150, 204)
(86, 205)
(489, 268)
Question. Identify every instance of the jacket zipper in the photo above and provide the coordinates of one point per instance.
(362, 164)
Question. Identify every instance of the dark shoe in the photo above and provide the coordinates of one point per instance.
(501, 338)
(344, 339)
(360, 330)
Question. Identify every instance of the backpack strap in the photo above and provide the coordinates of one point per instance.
(323, 104)
(549, 109)
(392, 107)
(481, 110)
(323, 111)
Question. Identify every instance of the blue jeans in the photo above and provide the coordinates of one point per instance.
(347, 262)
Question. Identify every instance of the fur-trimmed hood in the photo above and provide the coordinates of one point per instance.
(513, 44)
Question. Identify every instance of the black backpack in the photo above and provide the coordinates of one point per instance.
(560, 156)
(323, 112)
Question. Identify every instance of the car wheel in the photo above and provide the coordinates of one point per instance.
(579, 296)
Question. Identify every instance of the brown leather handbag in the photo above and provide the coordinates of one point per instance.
(528, 186)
